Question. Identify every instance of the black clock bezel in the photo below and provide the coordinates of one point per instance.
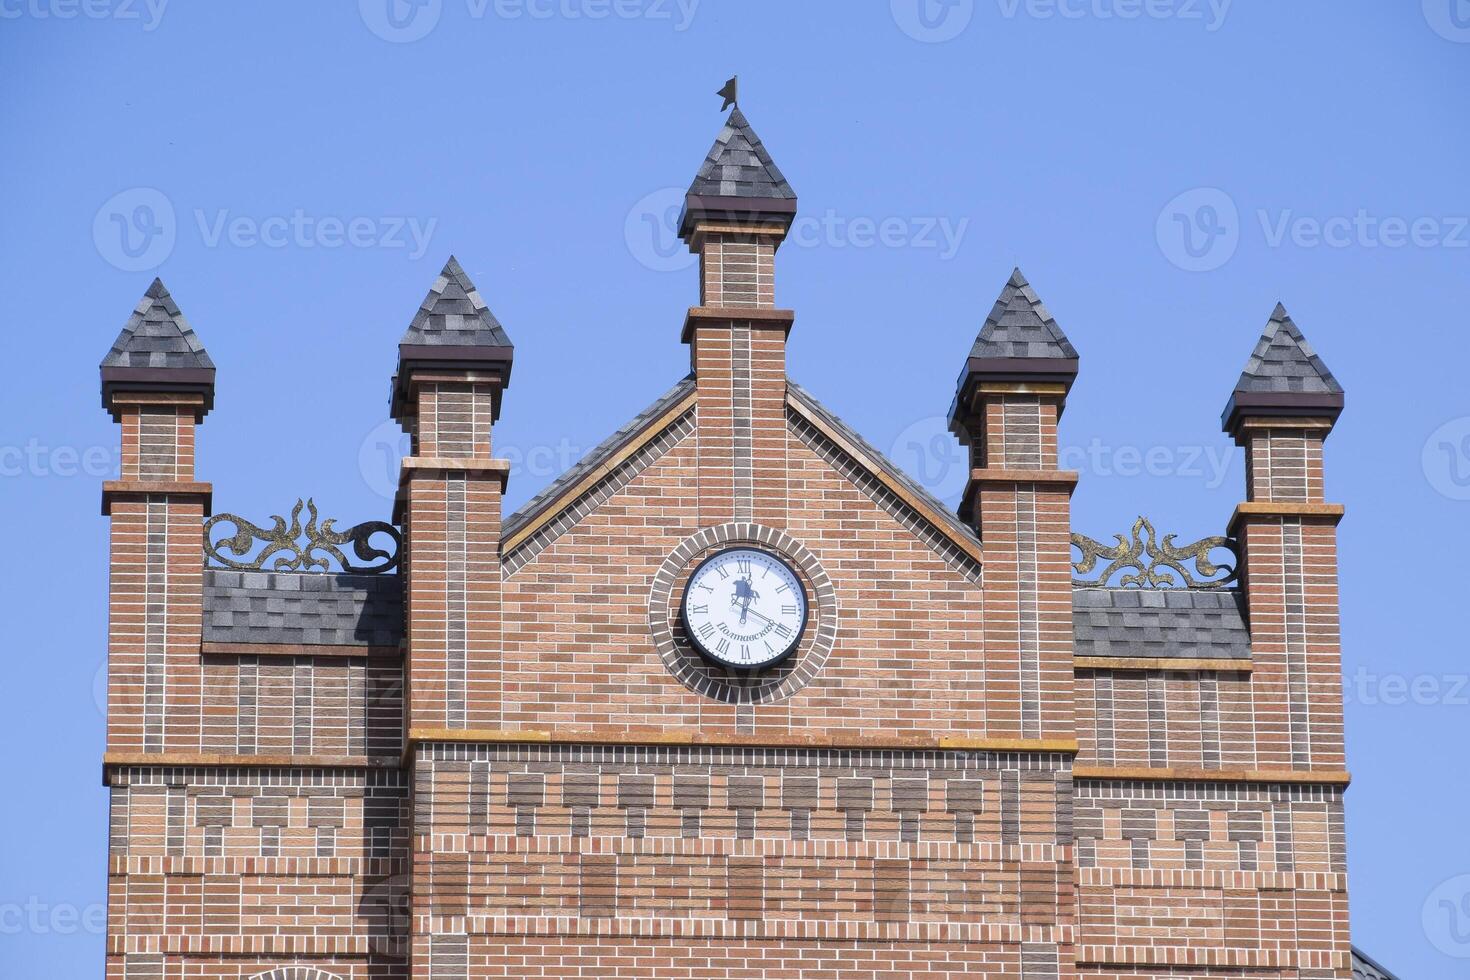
(709, 655)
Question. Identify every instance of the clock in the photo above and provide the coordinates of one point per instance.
(744, 609)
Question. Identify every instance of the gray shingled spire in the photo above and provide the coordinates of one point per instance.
(1019, 342)
(157, 351)
(454, 315)
(739, 166)
(158, 336)
(738, 183)
(1020, 326)
(453, 330)
(1284, 361)
(1284, 377)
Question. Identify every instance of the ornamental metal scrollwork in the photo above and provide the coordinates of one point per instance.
(1158, 564)
(281, 542)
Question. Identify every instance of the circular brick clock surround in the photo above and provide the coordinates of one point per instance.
(708, 680)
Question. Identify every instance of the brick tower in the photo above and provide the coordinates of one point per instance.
(733, 696)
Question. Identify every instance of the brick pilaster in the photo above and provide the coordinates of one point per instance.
(1008, 401)
(1281, 411)
(737, 350)
(157, 384)
(1288, 536)
(1020, 505)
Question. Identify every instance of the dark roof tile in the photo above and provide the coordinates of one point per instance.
(157, 336)
(739, 166)
(1020, 326)
(454, 314)
(334, 609)
(1364, 968)
(1204, 624)
(1283, 361)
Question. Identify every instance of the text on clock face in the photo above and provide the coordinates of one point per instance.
(744, 608)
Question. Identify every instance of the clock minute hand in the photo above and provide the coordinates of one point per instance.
(760, 615)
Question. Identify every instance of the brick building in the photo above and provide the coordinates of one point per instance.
(732, 697)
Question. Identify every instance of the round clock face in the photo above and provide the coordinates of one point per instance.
(744, 609)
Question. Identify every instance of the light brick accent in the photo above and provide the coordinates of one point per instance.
(454, 419)
(737, 269)
(454, 595)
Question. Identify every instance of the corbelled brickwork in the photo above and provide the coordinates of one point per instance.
(508, 758)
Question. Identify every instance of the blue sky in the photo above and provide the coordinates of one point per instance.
(1164, 171)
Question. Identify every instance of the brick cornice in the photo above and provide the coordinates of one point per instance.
(1311, 777)
(1061, 478)
(1324, 513)
(156, 760)
(114, 489)
(302, 650)
(1162, 663)
(1194, 957)
(426, 467)
(756, 316)
(466, 464)
(1064, 481)
(572, 736)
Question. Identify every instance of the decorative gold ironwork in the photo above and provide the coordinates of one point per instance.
(281, 542)
(1159, 564)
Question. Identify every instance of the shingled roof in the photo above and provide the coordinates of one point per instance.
(157, 336)
(1203, 624)
(295, 608)
(1284, 361)
(739, 166)
(1364, 968)
(454, 314)
(1019, 341)
(1284, 376)
(157, 350)
(1020, 326)
(738, 182)
(455, 330)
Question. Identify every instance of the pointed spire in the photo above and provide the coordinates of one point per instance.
(455, 331)
(1019, 343)
(1020, 327)
(454, 314)
(739, 166)
(1283, 377)
(738, 181)
(1284, 361)
(157, 350)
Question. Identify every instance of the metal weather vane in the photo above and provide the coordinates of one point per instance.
(729, 93)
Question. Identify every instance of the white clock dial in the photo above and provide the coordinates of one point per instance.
(744, 609)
